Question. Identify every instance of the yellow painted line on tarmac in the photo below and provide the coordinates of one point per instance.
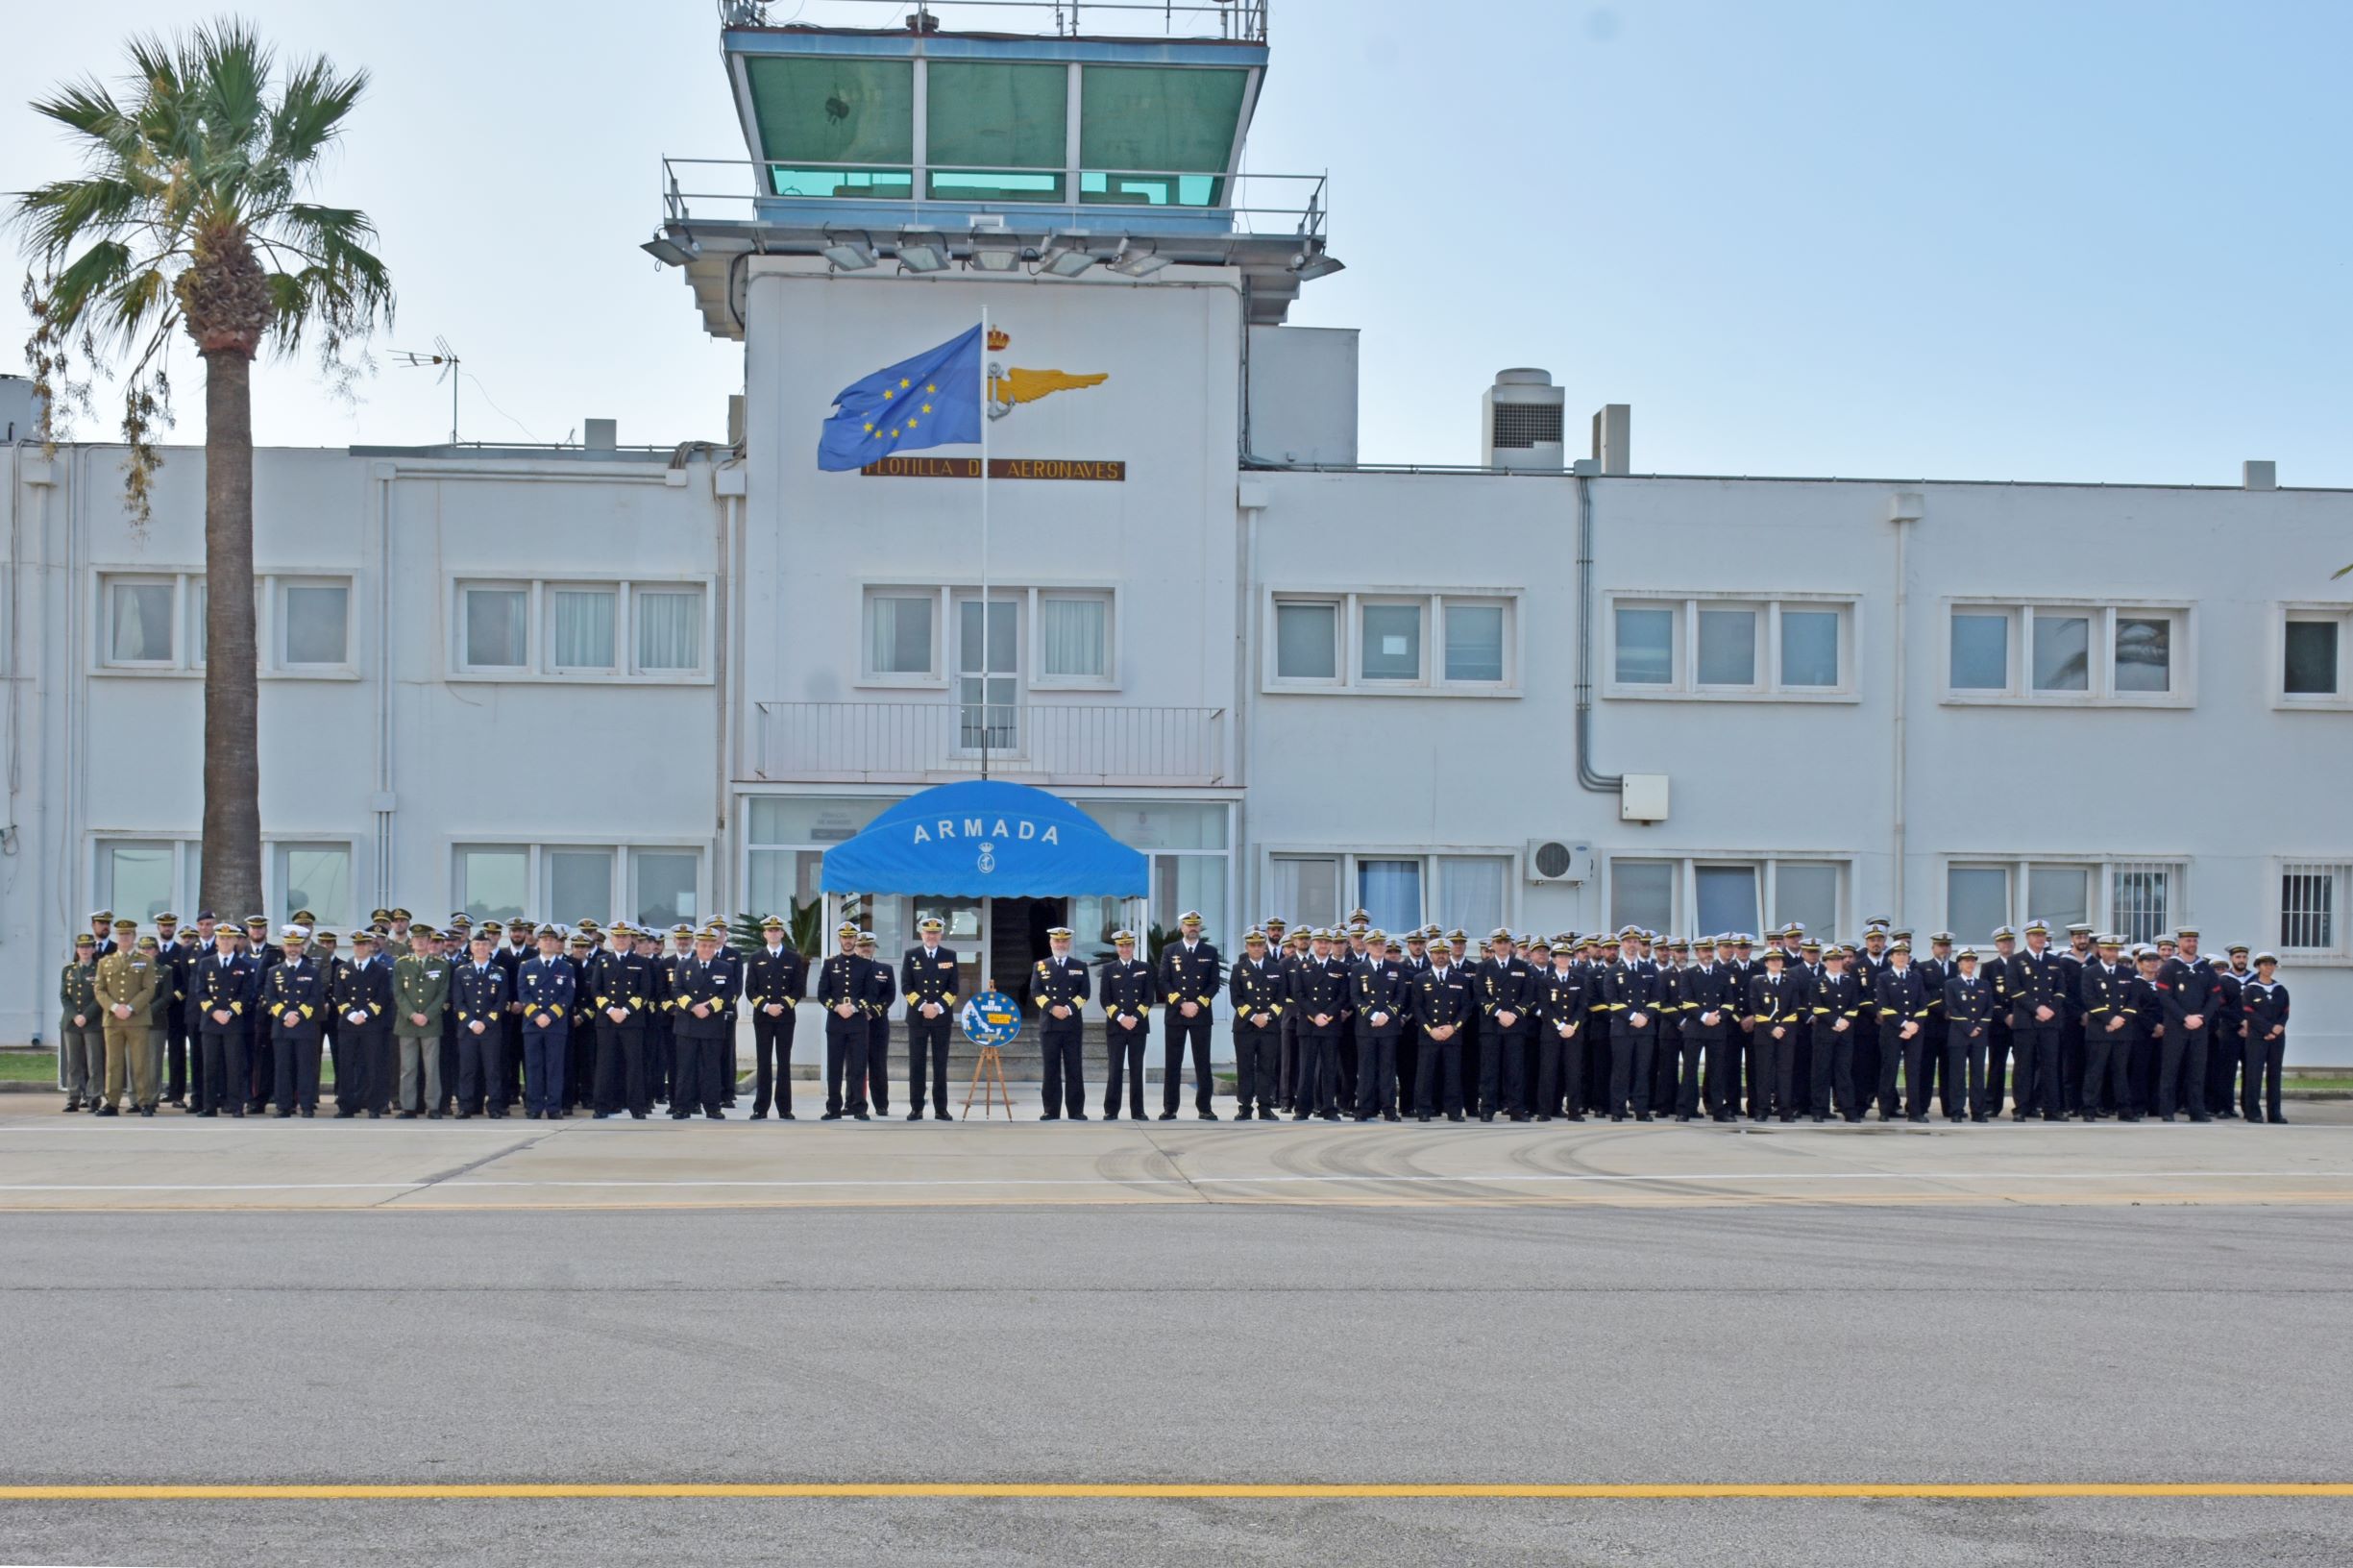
(1204, 1491)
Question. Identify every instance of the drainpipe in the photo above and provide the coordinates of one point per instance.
(380, 479)
(1904, 508)
(1598, 783)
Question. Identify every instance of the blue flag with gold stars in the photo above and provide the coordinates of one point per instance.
(928, 400)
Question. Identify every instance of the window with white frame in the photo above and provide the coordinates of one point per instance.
(653, 884)
(2138, 899)
(1392, 642)
(2312, 663)
(564, 629)
(1397, 890)
(1040, 638)
(159, 621)
(2312, 909)
(902, 634)
(1789, 647)
(1716, 894)
(313, 876)
(2066, 652)
(141, 878)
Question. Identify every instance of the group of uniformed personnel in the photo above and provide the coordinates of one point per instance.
(222, 1019)
(1361, 1023)
(219, 1019)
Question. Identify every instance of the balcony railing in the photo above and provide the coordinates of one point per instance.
(896, 743)
(1097, 206)
(1242, 21)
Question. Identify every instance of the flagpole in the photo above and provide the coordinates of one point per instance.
(985, 612)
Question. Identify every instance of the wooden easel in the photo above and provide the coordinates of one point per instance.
(990, 1069)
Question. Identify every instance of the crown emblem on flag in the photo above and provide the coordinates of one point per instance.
(1000, 338)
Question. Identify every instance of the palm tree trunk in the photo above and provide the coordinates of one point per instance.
(232, 750)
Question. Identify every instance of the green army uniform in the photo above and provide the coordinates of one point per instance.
(158, 1023)
(82, 1048)
(420, 986)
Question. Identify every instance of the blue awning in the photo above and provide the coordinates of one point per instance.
(984, 839)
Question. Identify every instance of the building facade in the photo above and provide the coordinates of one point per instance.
(1547, 693)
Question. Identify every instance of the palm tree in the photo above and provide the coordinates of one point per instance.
(189, 215)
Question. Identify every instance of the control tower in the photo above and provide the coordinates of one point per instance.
(927, 137)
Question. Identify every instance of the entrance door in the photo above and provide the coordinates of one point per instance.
(989, 712)
(1016, 940)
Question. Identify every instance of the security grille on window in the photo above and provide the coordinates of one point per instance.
(1523, 425)
(2142, 901)
(2309, 896)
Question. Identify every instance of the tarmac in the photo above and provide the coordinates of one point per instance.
(244, 1342)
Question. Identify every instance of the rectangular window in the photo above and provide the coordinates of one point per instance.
(1390, 642)
(579, 884)
(562, 629)
(1475, 643)
(1977, 901)
(2069, 653)
(316, 877)
(2062, 653)
(2143, 654)
(898, 634)
(669, 630)
(2312, 658)
(996, 131)
(1727, 648)
(1646, 646)
(1806, 891)
(315, 623)
(1307, 888)
(1392, 648)
(1980, 651)
(1809, 647)
(1306, 642)
(492, 881)
(2061, 894)
(1728, 897)
(1642, 892)
(2314, 654)
(580, 628)
(1471, 891)
(2311, 904)
(139, 621)
(835, 127)
(1074, 637)
(498, 631)
(667, 884)
(2140, 902)
(1390, 891)
(134, 879)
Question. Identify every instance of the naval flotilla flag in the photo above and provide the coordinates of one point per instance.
(930, 401)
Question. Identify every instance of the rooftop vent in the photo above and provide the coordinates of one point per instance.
(1523, 419)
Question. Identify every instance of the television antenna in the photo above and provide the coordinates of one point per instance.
(444, 357)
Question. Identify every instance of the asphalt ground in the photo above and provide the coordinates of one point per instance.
(2010, 1307)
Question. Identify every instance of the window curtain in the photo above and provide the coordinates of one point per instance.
(1073, 630)
(1390, 891)
(668, 630)
(583, 627)
(902, 636)
(1471, 892)
(1306, 890)
(142, 621)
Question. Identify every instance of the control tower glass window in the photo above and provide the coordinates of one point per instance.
(997, 131)
(1158, 136)
(836, 127)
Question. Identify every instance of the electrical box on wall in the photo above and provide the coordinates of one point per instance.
(1642, 797)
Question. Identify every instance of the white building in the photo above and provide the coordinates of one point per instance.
(648, 682)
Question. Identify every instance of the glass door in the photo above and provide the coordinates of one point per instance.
(989, 707)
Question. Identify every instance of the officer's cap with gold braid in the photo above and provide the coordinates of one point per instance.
(1058, 931)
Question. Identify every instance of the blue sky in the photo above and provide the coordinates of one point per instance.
(2074, 240)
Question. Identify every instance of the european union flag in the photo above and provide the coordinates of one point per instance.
(928, 400)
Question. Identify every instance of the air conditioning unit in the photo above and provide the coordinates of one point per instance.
(1558, 860)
